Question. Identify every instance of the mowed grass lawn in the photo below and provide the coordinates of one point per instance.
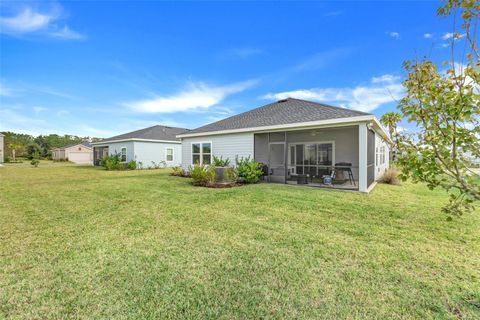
(80, 242)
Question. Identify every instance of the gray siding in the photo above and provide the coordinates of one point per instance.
(227, 146)
(345, 140)
(146, 152)
(116, 147)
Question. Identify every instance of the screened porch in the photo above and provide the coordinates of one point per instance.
(326, 158)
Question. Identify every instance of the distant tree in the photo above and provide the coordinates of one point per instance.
(390, 120)
(445, 107)
(33, 151)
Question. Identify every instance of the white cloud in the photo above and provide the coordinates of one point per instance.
(428, 35)
(450, 35)
(445, 45)
(380, 90)
(194, 97)
(30, 21)
(394, 35)
(67, 33)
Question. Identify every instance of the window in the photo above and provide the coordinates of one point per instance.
(123, 154)
(169, 154)
(202, 153)
(382, 155)
(312, 158)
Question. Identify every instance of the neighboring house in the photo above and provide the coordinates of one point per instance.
(2, 148)
(298, 142)
(80, 153)
(150, 147)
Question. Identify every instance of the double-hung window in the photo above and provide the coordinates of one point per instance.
(169, 155)
(202, 153)
(123, 154)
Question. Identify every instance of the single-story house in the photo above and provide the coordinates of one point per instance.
(149, 147)
(2, 148)
(298, 142)
(80, 153)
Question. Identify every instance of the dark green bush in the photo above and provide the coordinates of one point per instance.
(112, 162)
(35, 162)
(219, 162)
(132, 165)
(248, 170)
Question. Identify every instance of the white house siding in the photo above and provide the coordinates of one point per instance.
(146, 152)
(380, 167)
(226, 145)
(79, 154)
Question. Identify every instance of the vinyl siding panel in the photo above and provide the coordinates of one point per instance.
(116, 147)
(227, 146)
(146, 152)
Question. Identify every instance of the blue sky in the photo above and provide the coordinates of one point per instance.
(104, 68)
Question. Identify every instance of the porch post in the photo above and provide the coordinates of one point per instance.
(362, 157)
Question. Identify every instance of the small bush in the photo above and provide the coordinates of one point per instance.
(178, 172)
(202, 175)
(7, 159)
(219, 162)
(35, 162)
(132, 165)
(390, 177)
(112, 162)
(248, 170)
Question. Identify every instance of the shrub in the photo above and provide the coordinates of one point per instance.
(390, 177)
(219, 162)
(178, 172)
(112, 162)
(7, 159)
(35, 162)
(132, 165)
(202, 175)
(230, 175)
(248, 170)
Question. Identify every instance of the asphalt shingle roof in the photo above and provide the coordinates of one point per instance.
(151, 133)
(286, 111)
(83, 143)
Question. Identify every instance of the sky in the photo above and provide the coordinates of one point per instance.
(104, 68)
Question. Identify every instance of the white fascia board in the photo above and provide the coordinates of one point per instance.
(100, 143)
(292, 126)
(381, 130)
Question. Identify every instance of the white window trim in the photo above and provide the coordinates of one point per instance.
(166, 154)
(201, 151)
(126, 154)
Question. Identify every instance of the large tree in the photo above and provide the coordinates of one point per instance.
(443, 102)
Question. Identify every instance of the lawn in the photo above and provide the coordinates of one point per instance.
(80, 242)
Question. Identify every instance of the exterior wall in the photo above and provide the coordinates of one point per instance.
(146, 152)
(381, 168)
(58, 154)
(78, 154)
(116, 147)
(227, 146)
(345, 143)
(2, 148)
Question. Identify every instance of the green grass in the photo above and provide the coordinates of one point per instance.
(80, 242)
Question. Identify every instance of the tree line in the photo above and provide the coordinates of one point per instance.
(21, 145)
